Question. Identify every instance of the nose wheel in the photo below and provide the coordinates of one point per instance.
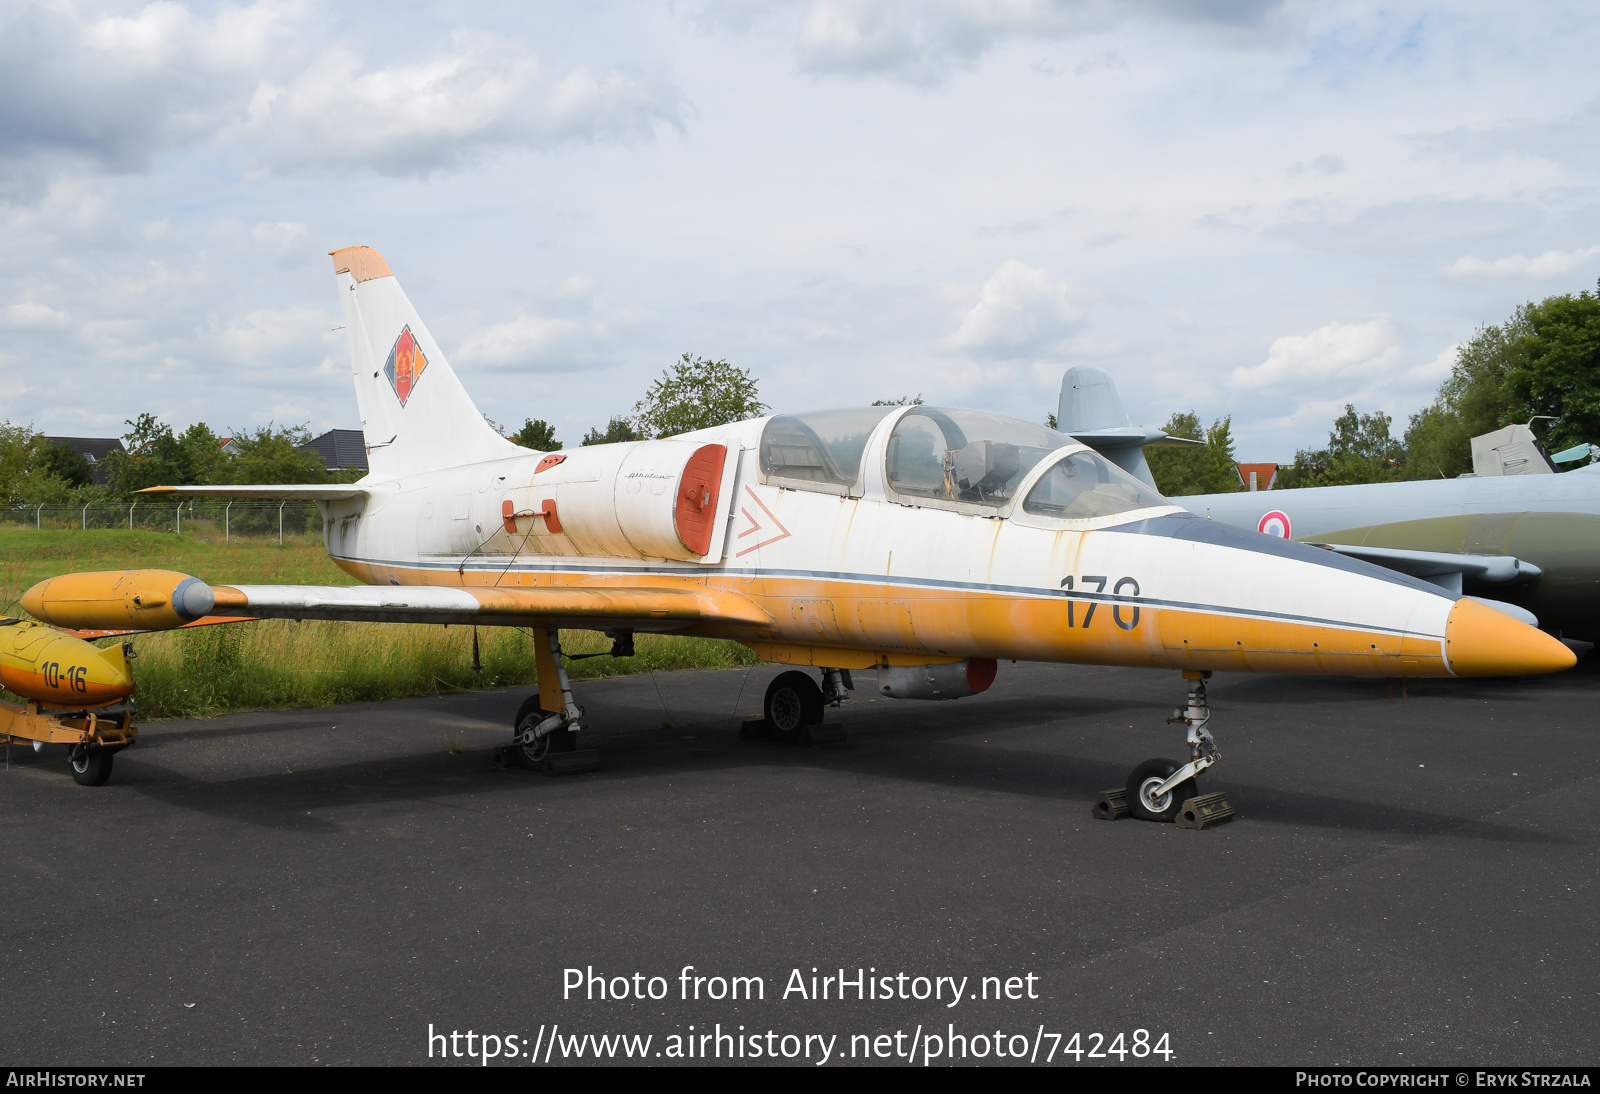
(1156, 790)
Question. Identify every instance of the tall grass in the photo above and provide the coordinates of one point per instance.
(276, 664)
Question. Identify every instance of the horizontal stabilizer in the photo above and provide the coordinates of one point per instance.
(1132, 436)
(266, 493)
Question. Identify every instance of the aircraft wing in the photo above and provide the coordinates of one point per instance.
(1501, 570)
(437, 604)
(331, 492)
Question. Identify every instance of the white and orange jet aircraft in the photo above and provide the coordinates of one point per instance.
(923, 543)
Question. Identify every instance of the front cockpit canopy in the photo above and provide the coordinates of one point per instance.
(1085, 485)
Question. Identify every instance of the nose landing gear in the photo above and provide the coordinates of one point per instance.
(1158, 790)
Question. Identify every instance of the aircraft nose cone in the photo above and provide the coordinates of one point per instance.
(1480, 641)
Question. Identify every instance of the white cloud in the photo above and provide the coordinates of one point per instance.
(922, 41)
(119, 90)
(565, 331)
(1021, 311)
(31, 316)
(1337, 351)
(1549, 264)
(416, 119)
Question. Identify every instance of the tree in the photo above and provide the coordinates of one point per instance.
(904, 400)
(537, 434)
(1559, 374)
(269, 456)
(1474, 399)
(19, 463)
(1182, 471)
(695, 393)
(619, 429)
(153, 455)
(1359, 450)
(65, 464)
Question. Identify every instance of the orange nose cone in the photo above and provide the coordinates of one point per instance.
(1479, 641)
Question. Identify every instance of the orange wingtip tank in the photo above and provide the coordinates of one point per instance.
(148, 600)
(41, 663)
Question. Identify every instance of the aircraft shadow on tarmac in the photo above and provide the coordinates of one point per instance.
(929, 745)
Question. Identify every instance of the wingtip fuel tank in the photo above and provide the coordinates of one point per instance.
(132, 599)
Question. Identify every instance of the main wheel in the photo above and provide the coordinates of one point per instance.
(793, 702)
(91, 764)
(1140, 794)
(531, 714)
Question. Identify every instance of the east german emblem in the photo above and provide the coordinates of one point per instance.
(405, 365)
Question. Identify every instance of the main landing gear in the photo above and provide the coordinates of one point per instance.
(544, 734)
(1164, 790)
(792, 709)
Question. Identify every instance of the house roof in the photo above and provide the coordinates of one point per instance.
(340, 449)
(1264, 472)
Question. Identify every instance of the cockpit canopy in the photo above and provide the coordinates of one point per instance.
(967, 456)
(820, 446)
(957, 458)
(1086, 484)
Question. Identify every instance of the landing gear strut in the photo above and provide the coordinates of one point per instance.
(544, 734)
(1156, 790)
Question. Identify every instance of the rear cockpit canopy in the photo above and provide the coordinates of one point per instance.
(970, 460)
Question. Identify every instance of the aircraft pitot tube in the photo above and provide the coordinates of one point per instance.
(39, 662)
(149, 600)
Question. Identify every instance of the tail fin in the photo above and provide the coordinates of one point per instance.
(414, 412)
(1089, 402)
(1091, 411)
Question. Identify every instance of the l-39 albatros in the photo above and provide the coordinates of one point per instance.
(923, 543)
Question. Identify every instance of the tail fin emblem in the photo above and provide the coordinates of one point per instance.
(405, 365)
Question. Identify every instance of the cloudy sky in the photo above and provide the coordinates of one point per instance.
(1235, 206)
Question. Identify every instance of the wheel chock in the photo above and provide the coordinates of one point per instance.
(1112, 804)
(507, 756)
(823, 733)
(755, 727)
(1205, 811)
(572, 763)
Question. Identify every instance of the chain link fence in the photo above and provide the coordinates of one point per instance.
(229, 518)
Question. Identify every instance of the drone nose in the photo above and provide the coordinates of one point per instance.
(1480, 641)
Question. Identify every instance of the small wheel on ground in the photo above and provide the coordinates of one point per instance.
(531, 714)
(1144, 803)
(91, 764)
(793, 702)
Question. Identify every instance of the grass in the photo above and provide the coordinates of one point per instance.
(275, 664)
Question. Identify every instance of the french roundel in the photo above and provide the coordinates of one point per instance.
(1276, 523)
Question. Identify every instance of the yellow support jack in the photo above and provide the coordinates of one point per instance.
(94, 737)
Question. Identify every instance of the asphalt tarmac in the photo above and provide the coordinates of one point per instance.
(1409, 880)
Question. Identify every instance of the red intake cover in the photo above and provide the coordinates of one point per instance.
(696, 511)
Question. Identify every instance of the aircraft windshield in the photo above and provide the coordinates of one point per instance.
(965, 455)
(1088, 485)
(822, 446)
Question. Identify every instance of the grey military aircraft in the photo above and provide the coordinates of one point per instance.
(1513, 533)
